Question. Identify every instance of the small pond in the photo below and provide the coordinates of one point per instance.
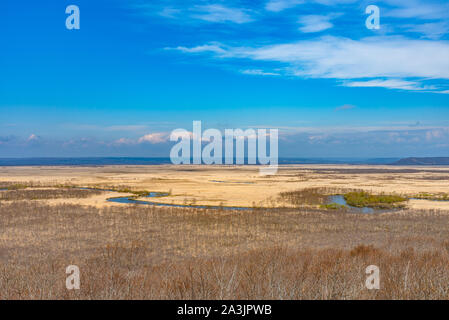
(340, 199)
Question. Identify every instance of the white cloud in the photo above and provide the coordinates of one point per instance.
(33, 137)
(317, 23)
(184, 134)
(345, 59)
(169, 12)
(437, 134)
(389, 83)
(280, 5)
(214, 48)
(334, 2)
(434, 30)
(258, 72)
(124, 141)
(219, 13)
(416, 9)
(153, 138)
(377, 138)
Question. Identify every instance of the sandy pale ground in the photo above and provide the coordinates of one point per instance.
(236, 185)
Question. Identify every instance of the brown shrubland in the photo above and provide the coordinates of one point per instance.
(148, 252)
(40, 194)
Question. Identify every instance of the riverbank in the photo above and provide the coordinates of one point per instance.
(235, 186)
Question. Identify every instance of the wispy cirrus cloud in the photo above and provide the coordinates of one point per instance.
(169, 12)
(428, 13)
(428, 16)
(280, 5)
(186, 12)
(259, 72)
(213, 47)
(316, 23)
(431, 30)
(417, 9)
(220, 13)
(386, 61)
(391, 84)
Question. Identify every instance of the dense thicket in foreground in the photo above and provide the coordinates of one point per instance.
(134, 252)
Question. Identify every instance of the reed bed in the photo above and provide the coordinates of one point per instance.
(137, 252)
(41, 194)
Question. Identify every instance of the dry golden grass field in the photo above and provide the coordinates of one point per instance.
(279, 248)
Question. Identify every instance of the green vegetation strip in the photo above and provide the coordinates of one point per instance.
(362, 199)
(430, 196)
(16, 187)
(333, 206)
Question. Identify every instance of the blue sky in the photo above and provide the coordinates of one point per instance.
(136, 70)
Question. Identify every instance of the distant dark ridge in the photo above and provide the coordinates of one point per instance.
(435, 161)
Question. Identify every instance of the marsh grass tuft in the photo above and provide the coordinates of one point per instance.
(333, 206)
(42, 194)
(307, 196)
(362, 199)
(432, 196)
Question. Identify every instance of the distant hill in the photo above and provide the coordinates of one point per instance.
(433, 161)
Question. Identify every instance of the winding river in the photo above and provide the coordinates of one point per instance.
(132, 200)
(337, 199)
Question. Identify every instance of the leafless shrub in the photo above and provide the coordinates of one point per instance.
(39, 194)
(137, 252)
(311, 196)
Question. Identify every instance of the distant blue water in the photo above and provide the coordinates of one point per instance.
(130, 200)
(103, 161)
(339, 199)
(81, 161)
